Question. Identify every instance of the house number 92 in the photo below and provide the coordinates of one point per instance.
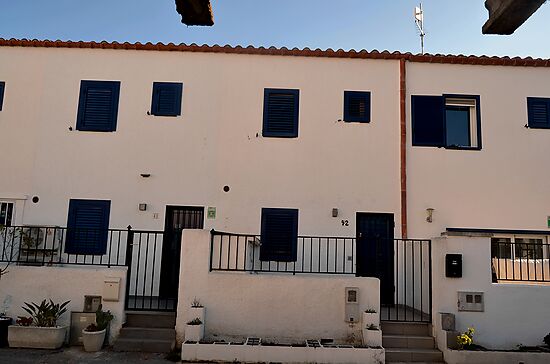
(345, 222)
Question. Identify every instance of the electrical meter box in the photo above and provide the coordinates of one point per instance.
(111, 288)
(352, 304)
(471, 301)
(91, 303)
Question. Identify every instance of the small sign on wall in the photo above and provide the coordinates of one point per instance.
(211, 213)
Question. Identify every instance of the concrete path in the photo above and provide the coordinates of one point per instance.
(76, 355)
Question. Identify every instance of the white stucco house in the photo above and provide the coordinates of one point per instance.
(416, 181)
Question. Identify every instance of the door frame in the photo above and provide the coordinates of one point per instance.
(168, 259)
(387, 288)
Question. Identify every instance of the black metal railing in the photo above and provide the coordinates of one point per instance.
(524, 260)
(403, 266)
(319, 255)
(41, 245)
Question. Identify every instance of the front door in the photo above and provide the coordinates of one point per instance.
(177, 219)
(374, 251)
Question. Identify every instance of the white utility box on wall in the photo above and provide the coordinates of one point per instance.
(111, 288)
(352, 304)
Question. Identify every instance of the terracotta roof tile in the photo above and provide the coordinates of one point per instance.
(305, 52)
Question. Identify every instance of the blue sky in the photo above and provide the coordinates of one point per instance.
(451, 26)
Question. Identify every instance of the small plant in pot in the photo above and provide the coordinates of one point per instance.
(40, 330)
(194, 330)
(197, 309)
(93, 336)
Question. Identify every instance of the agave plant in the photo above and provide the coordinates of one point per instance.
(46, 313)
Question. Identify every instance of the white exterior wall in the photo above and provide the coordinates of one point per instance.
(33, 284)
(514, 313)
(351, 166)
(505, 184)
(271, 306)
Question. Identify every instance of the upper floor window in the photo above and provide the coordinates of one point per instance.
(538, 112)
(450, 121)
(279, 234)
(166, 99)
(2, 88)
(7, 213)
(281, 113)
(98, 105)
(357, 106)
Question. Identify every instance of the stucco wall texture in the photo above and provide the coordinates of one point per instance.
(271, 306)
(33, 284)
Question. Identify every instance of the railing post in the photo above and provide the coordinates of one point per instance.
(128, 261)
(212, 233)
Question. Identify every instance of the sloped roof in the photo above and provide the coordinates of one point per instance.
(273, 51)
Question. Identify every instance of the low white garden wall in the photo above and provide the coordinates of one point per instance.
(275, 307)
(514, 313)
(33, 284)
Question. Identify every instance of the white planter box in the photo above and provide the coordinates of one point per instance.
(36, 337)
(197, 312)
(194, 332)
(371, 319)
(93, 341)
(286, 354)
(372, 338)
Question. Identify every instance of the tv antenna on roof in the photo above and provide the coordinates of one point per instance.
(419, 21)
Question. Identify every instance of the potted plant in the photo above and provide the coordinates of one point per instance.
(5, 321)
(93, 336)
(197, 310)
(40, 330)
(370, 317)
(194, 330)
(372, 336)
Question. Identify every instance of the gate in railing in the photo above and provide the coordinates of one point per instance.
(144, 262)
(412, 270)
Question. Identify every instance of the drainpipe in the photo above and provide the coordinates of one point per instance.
(403, 143)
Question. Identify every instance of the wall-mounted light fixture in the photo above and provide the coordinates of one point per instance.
(145, 175)
(430, 213)
(334, 212)
(142, 207)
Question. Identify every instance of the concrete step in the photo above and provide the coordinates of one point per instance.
(144, 345)
(408, 341)
(413, 355)
(150, 319)
(406, 328)
(147, 333)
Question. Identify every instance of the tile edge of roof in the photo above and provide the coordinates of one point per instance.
(284, 51)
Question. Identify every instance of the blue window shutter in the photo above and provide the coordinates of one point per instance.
(357, 106)
(428, 121)
(538, 112)
(87, 227)
(2, 88)
(279, 234)
(281, 113)
(98, 105)
(166, 100)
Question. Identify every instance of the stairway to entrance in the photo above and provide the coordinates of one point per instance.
(409, 342)
(150, 331)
